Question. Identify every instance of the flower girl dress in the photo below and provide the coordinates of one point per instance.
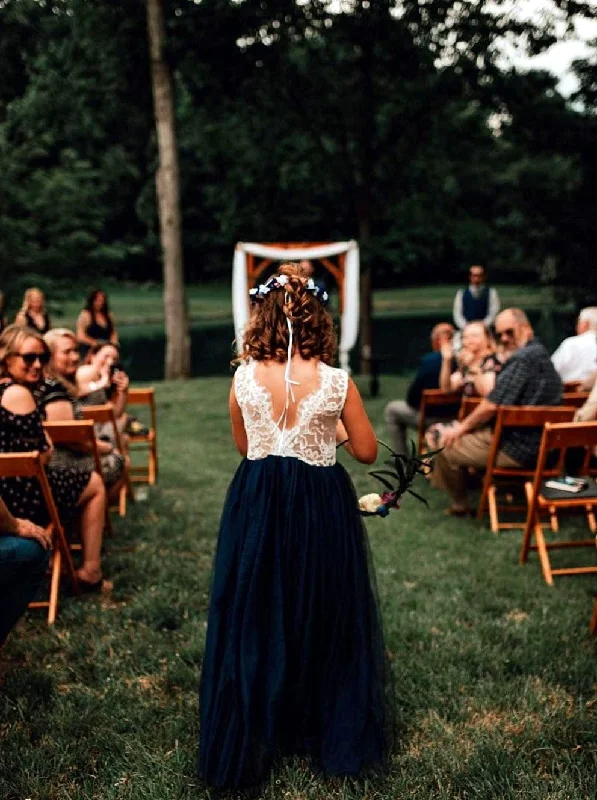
(294, 660)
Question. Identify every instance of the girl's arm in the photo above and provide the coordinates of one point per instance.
(238, 425)
(363, 443)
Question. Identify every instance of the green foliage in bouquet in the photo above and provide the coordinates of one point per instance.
(399, 478)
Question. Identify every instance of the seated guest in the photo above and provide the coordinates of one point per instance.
(477, 363)
(576, 358)
(102, 380)
(57, 400)
(33, 312)
(23, 354)
(24, 553)
(95, 323)
(402, 414)
(527, 378)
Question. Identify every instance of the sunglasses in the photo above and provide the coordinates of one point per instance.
(508, 333)
(31, 358)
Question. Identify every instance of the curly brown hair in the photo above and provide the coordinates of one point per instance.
(266, 334)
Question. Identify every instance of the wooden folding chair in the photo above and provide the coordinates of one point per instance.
(561, 437)
(79, 433)
(149, 441)
(515, 417)
(446, 405)
(28, 465)
(105, 414)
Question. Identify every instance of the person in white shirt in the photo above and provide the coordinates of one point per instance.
(478, 302)
(576, 358)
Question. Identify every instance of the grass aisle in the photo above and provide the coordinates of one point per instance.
(494, 672)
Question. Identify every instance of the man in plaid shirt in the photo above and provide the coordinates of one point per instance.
(528, 378)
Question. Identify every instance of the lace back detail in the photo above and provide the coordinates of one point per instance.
(313, 436)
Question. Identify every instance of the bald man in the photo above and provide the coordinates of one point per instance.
(528, 378)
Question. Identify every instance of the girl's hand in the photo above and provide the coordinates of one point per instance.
(447, 351)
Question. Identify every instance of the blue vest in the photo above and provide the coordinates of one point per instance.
(474, 308)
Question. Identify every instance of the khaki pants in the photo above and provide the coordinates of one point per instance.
(471, 450)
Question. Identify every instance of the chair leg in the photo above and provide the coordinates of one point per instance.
(528, 528)
(543, 554)
(122, 501)
(153, 465)
(54, 587)
(493, 511)
(593, 625)
(591, 518)
(553, 520)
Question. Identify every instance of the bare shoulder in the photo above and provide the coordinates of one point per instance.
(18, 399)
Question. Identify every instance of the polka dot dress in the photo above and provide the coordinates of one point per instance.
(21, 433)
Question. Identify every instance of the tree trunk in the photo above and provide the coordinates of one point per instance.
(178, 342)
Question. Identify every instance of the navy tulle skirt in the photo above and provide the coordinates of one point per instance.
(294, 659)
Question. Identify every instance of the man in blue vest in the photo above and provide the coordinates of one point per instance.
(477, 302)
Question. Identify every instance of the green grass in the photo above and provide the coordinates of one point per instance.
(143, 304)
(494, 671)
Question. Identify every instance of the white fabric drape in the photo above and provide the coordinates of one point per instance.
(349, 325)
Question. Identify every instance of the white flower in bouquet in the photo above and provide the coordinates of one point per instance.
(370, 502)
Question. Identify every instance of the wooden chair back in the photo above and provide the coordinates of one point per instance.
(28, 465)
(79, 434)
(145, 441)
(515, 417)
(436, 399)
(560, 436)
(576, 399)
(572, 386)
(104, 414)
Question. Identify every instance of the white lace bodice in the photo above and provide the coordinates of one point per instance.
(312, 438)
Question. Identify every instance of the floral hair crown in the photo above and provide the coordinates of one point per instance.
(259, 293)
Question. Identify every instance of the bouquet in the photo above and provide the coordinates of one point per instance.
(397, 479)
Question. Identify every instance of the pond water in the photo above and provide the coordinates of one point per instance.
(399, 344)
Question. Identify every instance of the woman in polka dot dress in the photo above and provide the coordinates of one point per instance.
(23, 354)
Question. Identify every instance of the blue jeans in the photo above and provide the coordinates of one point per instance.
(23, 564)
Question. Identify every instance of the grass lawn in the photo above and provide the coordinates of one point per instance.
(143, 304)
(494, 671)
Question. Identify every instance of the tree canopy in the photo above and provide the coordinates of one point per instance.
(399, 123)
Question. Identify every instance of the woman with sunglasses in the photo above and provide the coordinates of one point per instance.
(23, 355)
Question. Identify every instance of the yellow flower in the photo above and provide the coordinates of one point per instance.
(370, 502)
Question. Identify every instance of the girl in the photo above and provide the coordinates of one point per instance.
(294, 659)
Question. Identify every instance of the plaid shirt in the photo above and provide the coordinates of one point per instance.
(528, 378)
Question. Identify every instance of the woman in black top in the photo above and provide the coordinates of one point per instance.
(33, 312)
(95, 323)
